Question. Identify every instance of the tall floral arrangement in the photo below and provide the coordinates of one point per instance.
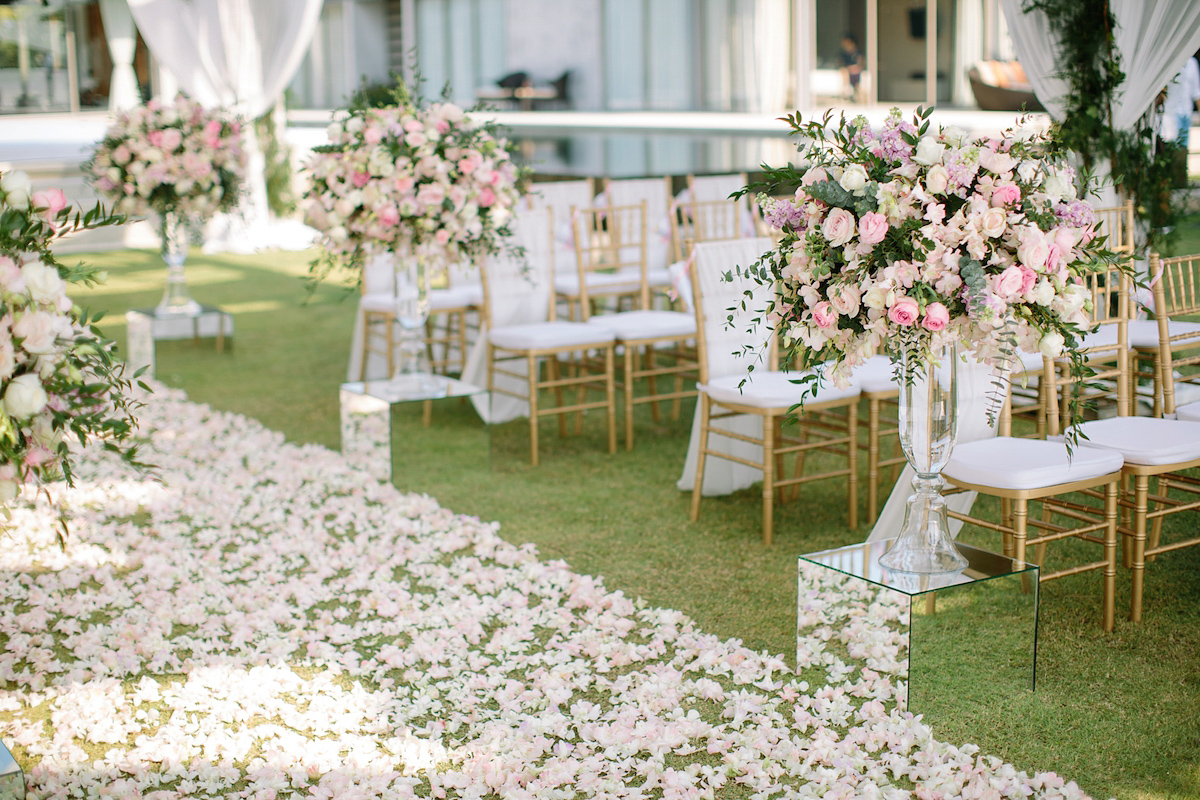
(902, 238)
(170, 157)
(410, 177)
(59, 380)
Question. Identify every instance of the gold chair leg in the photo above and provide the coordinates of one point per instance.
(649, 364)
(1154, 535)
(701, 456)
(555, 374)
(611, 395)
(852, 466)
(629, 361)
(1110, 555)
(531, 362)
(1138, 565)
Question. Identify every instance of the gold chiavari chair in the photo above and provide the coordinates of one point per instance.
(655, 344)
(1021, 472)
(1176, 292)
(524, 335)
(734, 381)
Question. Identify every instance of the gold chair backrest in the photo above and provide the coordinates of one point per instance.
(1117, 223)
(1176, 285)
(705, 221)
(611, 239)
(1108, 355)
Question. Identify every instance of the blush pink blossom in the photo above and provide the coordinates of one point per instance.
(904, 311)
(52, 200)
(937, 316)
(1028, 279)
(1008, 283)
(389, 215)
(486, 198)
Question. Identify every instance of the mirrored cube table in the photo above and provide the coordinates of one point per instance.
(12, 779)
(959, 638)
(366, 421)
(145, 326)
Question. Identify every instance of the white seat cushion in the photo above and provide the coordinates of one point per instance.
(772, 390)
(558, 333)
(1106, 336)
(1188, 413)
(876, 375)
(453, 297)
(377, 301)
(1008, 463)
(625, 281)
(1144, 332)
(1146, 441)
(634, 325)
(659, 278)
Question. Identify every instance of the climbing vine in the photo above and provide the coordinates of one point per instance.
(1142, 168)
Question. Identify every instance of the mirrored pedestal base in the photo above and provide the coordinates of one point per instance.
(966, 637)
(145, 326)
(366, 420)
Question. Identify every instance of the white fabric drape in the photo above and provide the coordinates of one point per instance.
(1153, 37)
(122, 42)
(240, 55)
(772, 54)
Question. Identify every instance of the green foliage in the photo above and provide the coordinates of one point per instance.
(281, 197)
(1091, 67)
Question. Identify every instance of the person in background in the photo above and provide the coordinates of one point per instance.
(852, 67)
(1182, 98)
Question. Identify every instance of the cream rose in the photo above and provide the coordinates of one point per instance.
(993, 222)
(854, 178)
(37, 331)
(43, 282)
(929, 151)
(937, 179)
(839, 227)
(1051, 345)
(24, 396)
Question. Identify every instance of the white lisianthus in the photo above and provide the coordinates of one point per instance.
(1058, 184)
(25, 396)
(43, 282)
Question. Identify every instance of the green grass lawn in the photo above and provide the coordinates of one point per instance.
(1116, 712)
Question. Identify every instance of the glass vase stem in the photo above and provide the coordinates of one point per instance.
(175, 242)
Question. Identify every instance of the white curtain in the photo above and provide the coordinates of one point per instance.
(772, 55)
(122, 42)
(1154, 38)
(237, 54)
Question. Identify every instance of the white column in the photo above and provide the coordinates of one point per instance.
(122, 41)
(804, 51)
(931, 53)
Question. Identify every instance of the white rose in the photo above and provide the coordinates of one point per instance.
(954, 136)
(43, 282)
(1051, 345)
(16, 188)
(854, 178)
(334, 131)
(24, 396)
(38, 332)
(354, 125)
(938, 179)
(993, 222)
(1027, 171)
(929, 151)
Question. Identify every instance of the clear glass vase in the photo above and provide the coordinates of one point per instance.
(412, 374)
(928, 428)
(175, 242)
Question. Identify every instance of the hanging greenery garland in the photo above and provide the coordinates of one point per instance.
(1142, 168)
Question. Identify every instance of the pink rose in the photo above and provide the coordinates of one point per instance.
(373, 134)
(904, 311)
(872, 228)
(53, 200)
(814, 175)
(1009, 282)
(431, 194)
(361, 179)
(486, 197)
(937, 316)
(1033, 250)
(171, 139)
(442, 236)
(389, 216)
(1028, 279)
(1006, 194)
(404, 184)
(38, 332)
(823, 314)
(839, 227)
(12, 277)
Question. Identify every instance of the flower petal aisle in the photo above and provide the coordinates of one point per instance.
(266, 622)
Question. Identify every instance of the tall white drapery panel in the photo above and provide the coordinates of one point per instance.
(1154, 38)
(236, 54)
(122, 43)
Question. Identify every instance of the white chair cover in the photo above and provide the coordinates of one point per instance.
(560, 197)
(656, 193)
(518, 292)
(727, 354)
